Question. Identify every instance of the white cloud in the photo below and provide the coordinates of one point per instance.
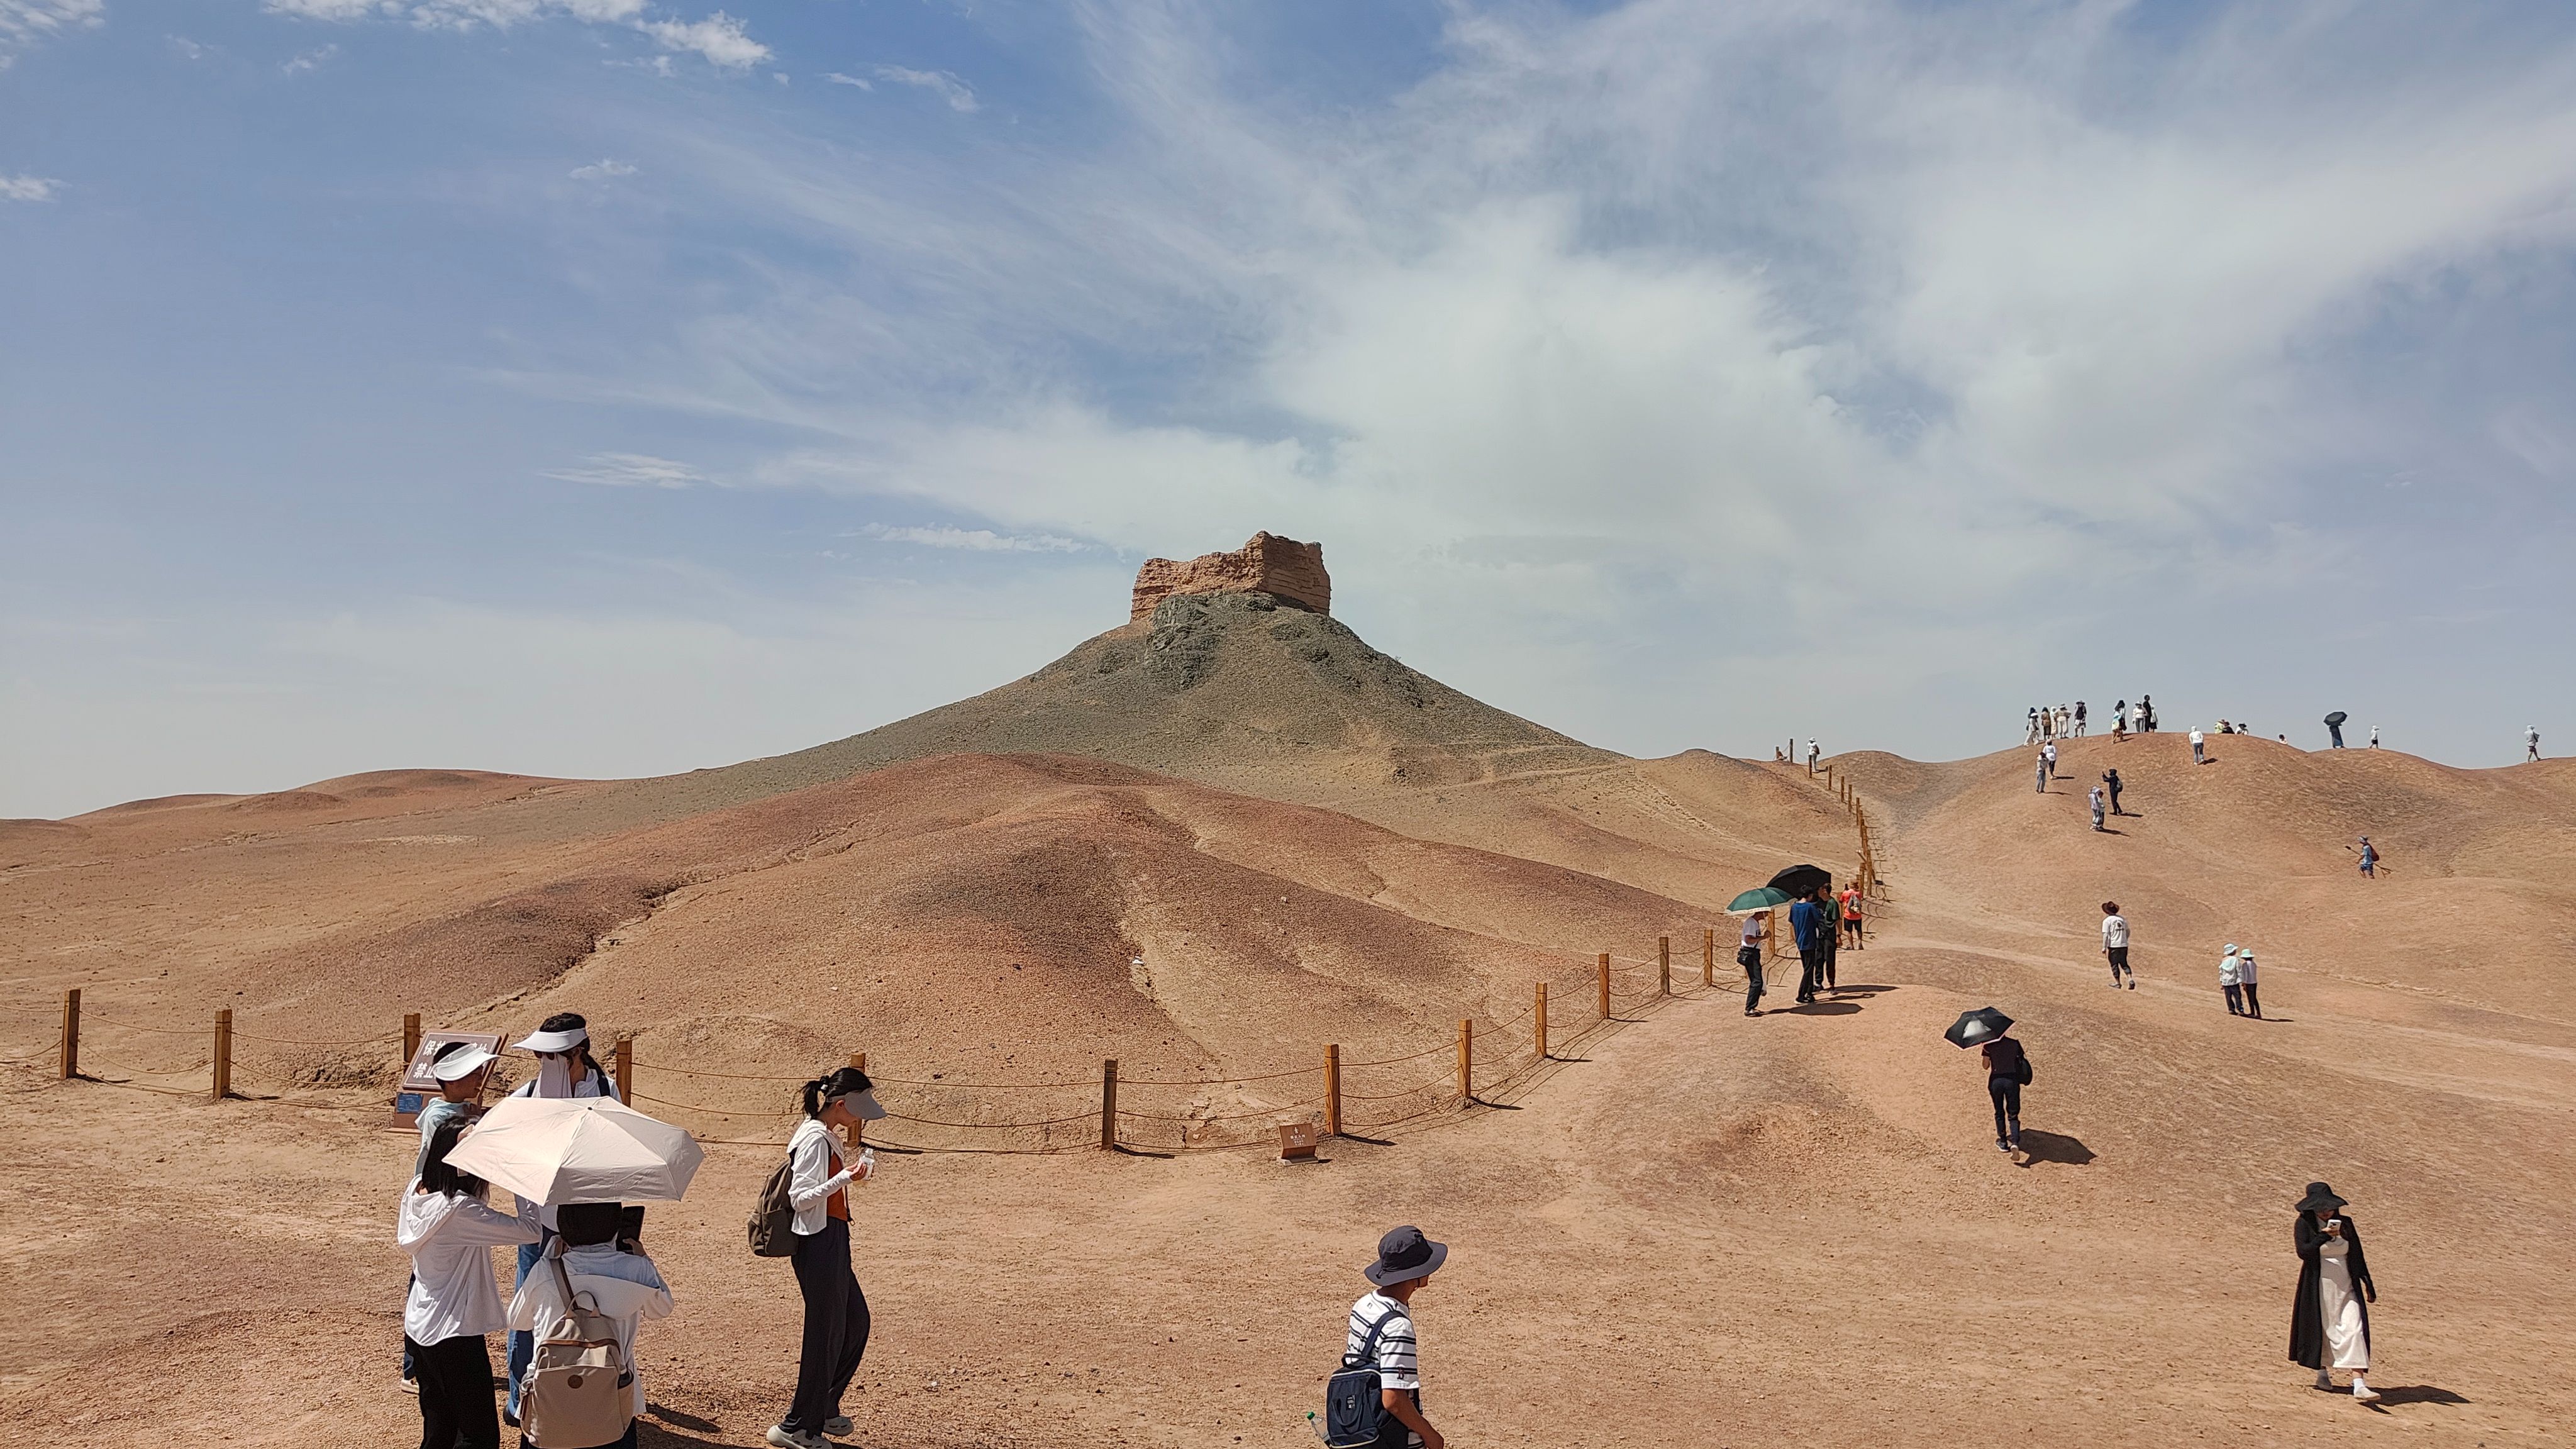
(602, 170)
(310, 60)
(29, 188)
(632, 470)
(719, 37)
(838, 79)
(958, 95)
(976, 540)
(25, 22)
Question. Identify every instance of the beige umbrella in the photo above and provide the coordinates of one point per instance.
(555, 1150)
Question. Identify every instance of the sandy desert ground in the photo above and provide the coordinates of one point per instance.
(1689, 1229)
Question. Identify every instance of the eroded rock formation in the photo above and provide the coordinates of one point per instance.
(1289, 571)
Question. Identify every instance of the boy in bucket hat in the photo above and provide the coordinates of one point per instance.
(1405, 1261)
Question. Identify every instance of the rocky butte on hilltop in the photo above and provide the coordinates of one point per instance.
(1230, 670)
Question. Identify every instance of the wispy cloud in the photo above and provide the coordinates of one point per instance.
(603, 170)
(838, 79)
(25, 22)
(310, 60)
(720, 38)
(29, 188)
(632, 470)
(958, 95)
(976, 540)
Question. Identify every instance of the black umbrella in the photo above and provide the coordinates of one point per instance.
(2336, 718)
(1797, 880)
(1976, 1028)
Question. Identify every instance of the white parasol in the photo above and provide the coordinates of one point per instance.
(555, 1150)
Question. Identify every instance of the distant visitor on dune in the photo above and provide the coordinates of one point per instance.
(2231, 981)
(2247, 978)
(2530, 744)
(2330, 1317)
(2115, 944)
(2198, 755)
(2369, 854)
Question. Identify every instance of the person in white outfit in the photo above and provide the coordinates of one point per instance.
(836, 1312)
(449, 1231)
(2197, 757)
(2230, 982)
(2115, 944)
(616, 1280)
(2374, 737)
(2245, 977)
(2330, 1319)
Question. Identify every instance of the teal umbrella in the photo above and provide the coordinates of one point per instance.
(1760, 898)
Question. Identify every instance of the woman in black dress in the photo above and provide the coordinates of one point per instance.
(2330, 1320)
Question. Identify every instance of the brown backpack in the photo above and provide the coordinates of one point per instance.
(579, 1390)
(773, 1219)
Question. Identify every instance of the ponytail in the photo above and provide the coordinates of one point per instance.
(842, 1082)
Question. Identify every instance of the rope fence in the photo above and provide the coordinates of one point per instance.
(1492, 1057)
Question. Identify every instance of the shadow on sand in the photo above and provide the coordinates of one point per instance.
(2038, 1147)
(2416, 1394)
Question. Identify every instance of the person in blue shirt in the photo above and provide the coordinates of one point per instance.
(1810, 919)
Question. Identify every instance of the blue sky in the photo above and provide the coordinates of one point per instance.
(604, 387)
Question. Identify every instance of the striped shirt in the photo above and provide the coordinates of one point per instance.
(1396, 1368)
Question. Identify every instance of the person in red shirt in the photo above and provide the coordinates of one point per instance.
(1850, 899)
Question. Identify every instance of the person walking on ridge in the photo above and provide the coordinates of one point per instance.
(2111, 782)
(2374, 737)
(2245, 978)
(2329, 1321)
(2040, 783)
(2048, 756)
(2079, 719)
(1811, 756)
(1748, 954)
(2115, 944)
(2197, 757)
(2146, 714)
(1381, 1333)
(1809, 920)
(2007, 1070)
(2030, 732)
(2530, 743)
(2369, 859)
(2334, 729)
(2095, 799)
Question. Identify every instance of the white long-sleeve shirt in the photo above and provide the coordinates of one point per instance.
(2115, 931)
(450, 1241)
(624, 1286)
(814, 1175)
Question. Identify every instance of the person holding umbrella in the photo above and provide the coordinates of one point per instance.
(565, 1071)
(1748, 955)
(2334, 728)
(836, 1311)
(2007, 1067)
(2329, 1321)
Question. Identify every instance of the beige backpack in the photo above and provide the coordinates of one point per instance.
(579, 1389)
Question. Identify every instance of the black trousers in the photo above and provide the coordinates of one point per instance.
(1750, 958)
(455, 1393)
(1826, 949)
(2235, 1000)
(2253, 1000)
(836, 1327)
(2007, 1095)
(1809, 968)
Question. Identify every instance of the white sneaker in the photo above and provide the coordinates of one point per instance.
(839, 1426)
(2363, 1393)
(782, 1437)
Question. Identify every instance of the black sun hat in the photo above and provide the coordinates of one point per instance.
(2320, 1199)
(1404, 1255)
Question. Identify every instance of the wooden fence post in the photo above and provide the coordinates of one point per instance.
(1332, 1089)
(1109, 1105)
(858, 1062)
(223, 1084)
(1466, 1059)
(1539, 1014)
(1708, 957)
(1664, 965)
(411, 1038)
(1604, 971)
(623, 1065)
(71, 1033)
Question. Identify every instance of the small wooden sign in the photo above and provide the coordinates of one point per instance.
(1297, 1140)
